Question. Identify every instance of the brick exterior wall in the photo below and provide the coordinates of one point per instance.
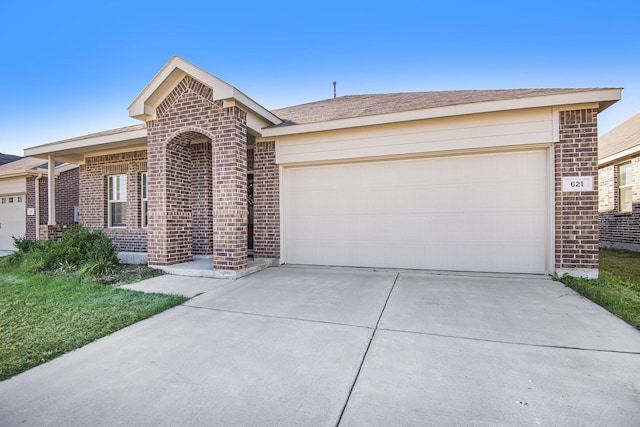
(202, 198)
(266, 201)
(94, 198)
(67, 197)
(619, 230)
(576, 154)
(177, 178)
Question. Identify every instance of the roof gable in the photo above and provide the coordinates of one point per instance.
(622, 138)
(145, 106)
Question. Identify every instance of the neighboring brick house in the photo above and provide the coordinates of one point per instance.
(487, 180)
(619, 181)
(21, 183)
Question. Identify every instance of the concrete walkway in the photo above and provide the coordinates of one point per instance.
(349, 347)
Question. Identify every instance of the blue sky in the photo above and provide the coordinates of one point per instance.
(71, 68)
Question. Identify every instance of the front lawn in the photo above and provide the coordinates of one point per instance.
(43, 316)
(618, 287)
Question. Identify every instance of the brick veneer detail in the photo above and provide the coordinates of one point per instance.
(266, 201)
(619, 229)
(576, 154)
(93, 197)
(67, 197)
(176, 179)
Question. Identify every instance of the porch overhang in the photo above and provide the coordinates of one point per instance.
(75, 150)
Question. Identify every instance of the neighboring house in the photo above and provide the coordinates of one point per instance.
(8, 158)
(619, 186)
(21, 183)
(486, 180)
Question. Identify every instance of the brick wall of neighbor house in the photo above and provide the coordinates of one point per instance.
(67, 197)
(576, 154)
(266, 201)
(619, 230)
(94, 198)
(187, 115)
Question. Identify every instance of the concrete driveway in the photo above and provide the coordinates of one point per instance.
(312, 346)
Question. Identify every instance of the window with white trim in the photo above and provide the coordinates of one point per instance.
(117, 200)
(144, 201)
(624, 187)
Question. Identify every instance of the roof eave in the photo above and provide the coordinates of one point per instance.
(603, 97)
(74, 151)
(617, 157)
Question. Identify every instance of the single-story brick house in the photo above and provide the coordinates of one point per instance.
(472, 180)
(619, 181)
(22, 182)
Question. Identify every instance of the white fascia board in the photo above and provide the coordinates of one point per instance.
(59, 169)
(618, 156)
(565, 100)
(13, 174)
(256, 108)
(143, 107)
(80, 144)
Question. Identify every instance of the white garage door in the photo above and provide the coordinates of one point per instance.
(12, 219)
(484, 212)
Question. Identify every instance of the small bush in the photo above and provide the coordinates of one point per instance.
(77, 248)
(96, 268)
(23, 244)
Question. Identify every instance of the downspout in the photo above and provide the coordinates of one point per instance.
(37, 197)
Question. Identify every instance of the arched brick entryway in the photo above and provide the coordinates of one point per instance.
(183, 220)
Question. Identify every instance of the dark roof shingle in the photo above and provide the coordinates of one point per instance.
(352, 106)
(8, 158)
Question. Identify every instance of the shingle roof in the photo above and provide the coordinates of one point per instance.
(106, 132)
(351, 106)
(8, 158)
(21, 165)
(618, 139)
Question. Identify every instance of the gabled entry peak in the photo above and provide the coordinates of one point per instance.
(144, 107)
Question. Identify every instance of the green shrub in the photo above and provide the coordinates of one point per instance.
(23, 244)
(96, 268)
(76, 248)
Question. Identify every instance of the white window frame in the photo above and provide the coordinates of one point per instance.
(119, 196)
(144, 199)
(626, 187)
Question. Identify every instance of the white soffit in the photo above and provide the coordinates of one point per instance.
(74, 150)
(144, 106)
(604, 98)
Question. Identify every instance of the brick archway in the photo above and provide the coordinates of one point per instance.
(195, 148)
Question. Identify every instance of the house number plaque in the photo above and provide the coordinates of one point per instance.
(577, 183)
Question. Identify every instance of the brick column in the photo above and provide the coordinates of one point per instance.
(576, 154)
(266, 201)
(230, 215)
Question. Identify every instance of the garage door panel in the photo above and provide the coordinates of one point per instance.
(12, 219)
(476, 213)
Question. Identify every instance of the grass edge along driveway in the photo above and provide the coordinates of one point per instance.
(43, 317)
(618, 287)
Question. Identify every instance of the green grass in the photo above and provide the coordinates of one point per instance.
(44, 316)
(618, 287)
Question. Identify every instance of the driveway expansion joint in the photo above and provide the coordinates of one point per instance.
(559, 347)
(366, 351)
(271, 316)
